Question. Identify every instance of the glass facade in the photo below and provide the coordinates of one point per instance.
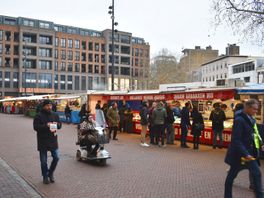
(45, 81)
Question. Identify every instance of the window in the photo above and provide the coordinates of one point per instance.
(56, 82)
(45, 40)
(69, 67)
(1, 48)
(90, 82)
(69, 82)
(116, 70)
(63, 54)
(125, 50)
(15, 79)
(125, 39)
(77, 55)
(90, 57)
(70, 55)
(77, 67)
(45, 65)
(56, 54)
(90, 46)
(45, 52)
(77, 44)
(102, 47)
(70, 43)
(62, 82)
(45, 81)
(125, 71)
(96, 47)
(1, 35)
(63, 42)
(27, 22)
(83, 68)
(83, 83)
(77, 82)
(16, 63)
(90, 69)
(31, 80)
(63, 66)
(56, 66)
(102, 58)
(247, 79)
(96, 58)
(96, 69)
(1, 78)
(1, 62)
(103, 69)
(44, 25)
(56, 41)
(83, 45)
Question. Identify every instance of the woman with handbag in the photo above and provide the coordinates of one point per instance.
(197, 126)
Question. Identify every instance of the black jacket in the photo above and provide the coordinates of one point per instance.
(197, 120)
(46, 139)
(218, 117)
(170, 116)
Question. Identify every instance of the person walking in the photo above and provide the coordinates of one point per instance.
(67, 112)
(159, 115)
(151, 124)
(46, 124)
(83, 114)
(98, 105)
(185, 123)
(243, 151)
(113, 120)
(129, 120)
(144, 122)
(170, 136)
(197, 126)
(218, 117)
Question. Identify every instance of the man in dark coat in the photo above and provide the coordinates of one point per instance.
(185, 124)
(46, 124)
(243, 151)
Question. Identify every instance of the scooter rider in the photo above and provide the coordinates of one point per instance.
(89, 136)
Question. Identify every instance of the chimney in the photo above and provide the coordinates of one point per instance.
(232, 49)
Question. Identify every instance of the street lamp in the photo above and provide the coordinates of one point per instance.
(25, 66)
(112, 13)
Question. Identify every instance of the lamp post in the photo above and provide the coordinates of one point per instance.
(25, 66)
(112, 13)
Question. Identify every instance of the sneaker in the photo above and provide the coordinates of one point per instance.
(142, 144)
(51, 177)
(46, 180)
(145, 144)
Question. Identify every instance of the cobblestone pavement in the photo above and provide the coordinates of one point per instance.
(133, 171)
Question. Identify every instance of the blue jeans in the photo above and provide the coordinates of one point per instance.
(220, 134)
(170, 133)
(184, 132)
(254, 170)
(44, 162)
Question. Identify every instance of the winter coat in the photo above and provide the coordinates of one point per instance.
(185, 117)
(46, 140)
(113, 117)
(218, 117)
(144, 116)
(159, 115)
(170, 116)
(197, 123)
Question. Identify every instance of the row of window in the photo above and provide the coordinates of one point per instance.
(217, 67)
(243, 67)
(213, 78)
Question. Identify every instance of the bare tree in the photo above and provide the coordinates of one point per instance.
(163, 69)
(246, 17)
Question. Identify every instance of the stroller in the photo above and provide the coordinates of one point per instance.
(92, 140)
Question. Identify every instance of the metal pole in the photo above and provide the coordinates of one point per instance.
(25, 61)
(113, 45)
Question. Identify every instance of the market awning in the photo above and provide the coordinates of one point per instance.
(66, 97)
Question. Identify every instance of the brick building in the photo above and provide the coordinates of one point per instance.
(43, 57)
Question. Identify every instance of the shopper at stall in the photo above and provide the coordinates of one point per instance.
(177, 109)
(113, 120)
(98, 105)
(218, 117)
(105, 109)
(197, 126)
(67, 112)
(129, 120)
(144, 113)
(243, 151)
(170, 136)
(46, 123)
(159, 116)
(185, 124)
(121, 112)
(151, 124)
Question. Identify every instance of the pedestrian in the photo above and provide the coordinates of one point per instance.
(46, 123)
(98, 105)
(121, 112)
(129, 120)
(83, 114)
(105, 109)
(151, 124)
(177, 109)
(67, 112)
(197, 126)
(170, 124)
(159, 115)
(218, 117)
(185, 124)
(113, 120)
(243, 151)
(144, 122)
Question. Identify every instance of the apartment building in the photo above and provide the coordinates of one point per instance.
(42, 57)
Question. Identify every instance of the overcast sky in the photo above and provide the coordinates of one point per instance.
(171, 24)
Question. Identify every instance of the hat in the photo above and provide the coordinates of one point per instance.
(45, 102)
